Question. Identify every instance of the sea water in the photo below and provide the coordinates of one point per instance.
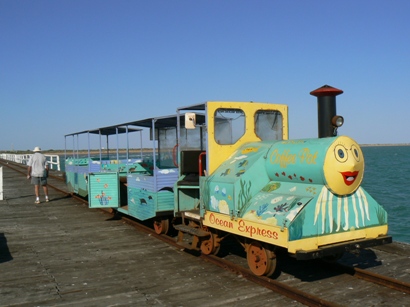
(387, 180)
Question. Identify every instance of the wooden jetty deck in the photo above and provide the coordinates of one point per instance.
(61, 253)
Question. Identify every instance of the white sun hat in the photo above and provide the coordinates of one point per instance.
(36, 149)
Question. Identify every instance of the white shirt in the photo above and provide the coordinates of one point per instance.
(38, 164)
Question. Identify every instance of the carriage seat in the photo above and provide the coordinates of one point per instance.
(190, 167)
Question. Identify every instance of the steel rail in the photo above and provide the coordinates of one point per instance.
(271, 284)
(277, 287)
(382, 280)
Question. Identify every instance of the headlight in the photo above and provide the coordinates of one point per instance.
(337, 121)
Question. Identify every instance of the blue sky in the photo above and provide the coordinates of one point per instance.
(67, 66)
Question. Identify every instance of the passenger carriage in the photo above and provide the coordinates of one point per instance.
(81, 160)
(146, 189)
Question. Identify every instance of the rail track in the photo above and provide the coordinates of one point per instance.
(57, 182)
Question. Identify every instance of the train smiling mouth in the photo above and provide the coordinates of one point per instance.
(349, 177)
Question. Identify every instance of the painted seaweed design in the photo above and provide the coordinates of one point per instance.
(261, 209)
(205, 195)
(244, 196)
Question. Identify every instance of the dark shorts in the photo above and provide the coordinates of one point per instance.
(39, 180)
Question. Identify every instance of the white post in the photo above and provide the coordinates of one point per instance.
(1, 182)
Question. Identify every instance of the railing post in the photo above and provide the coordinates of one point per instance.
(1, 182)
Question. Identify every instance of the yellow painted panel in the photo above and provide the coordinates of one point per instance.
(219, 153)
(314, 243)
(274, 235)
(257, 231)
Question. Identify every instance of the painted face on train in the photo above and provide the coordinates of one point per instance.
(343, 166)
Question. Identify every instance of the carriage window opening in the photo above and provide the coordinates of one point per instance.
(167, 139)
(268, 125)
(229, 125)
(192, 139)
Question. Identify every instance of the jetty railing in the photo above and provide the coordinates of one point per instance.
(1, 182)
(53, 160)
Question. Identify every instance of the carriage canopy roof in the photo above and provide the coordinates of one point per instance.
(160, 122)
(110, 130)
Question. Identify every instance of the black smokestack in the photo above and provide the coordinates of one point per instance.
(326, 109)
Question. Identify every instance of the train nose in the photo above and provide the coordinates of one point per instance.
(344, 166)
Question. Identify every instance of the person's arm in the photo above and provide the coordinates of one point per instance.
(29, 172)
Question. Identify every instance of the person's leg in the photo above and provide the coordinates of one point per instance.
(37, 192)
(45, 189)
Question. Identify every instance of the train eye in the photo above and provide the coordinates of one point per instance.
(340, 153)
(356, 152)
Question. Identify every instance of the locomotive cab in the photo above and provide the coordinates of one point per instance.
(227, 127)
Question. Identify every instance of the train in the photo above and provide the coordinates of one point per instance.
(217, 170)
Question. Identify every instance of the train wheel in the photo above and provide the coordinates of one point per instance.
(161, 226)
(211, 245)
(261, 261)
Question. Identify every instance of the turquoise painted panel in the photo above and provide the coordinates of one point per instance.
(309, 210)
(141, 203)
(165, 201)
(73, 161)
(123, 165)
(82, 184)
(232, 185)
(277, 204)
(221, 199)
(336, 162)
(149, 194)
(241, 161)
(77, 176)
(104, 191)
(298, 160)
(204, 192)
(70, 181)
(188, 199)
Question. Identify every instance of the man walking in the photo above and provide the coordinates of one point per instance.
(38, 172)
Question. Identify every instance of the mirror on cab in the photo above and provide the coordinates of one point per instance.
(190, 120)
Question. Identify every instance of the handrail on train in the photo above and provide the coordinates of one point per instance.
(53, 160)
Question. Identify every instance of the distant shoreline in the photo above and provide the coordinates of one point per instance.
(113, 150)
(385, 145)
(60, 152)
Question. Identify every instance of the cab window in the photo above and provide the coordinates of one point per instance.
(268, 125)
(229, 125)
